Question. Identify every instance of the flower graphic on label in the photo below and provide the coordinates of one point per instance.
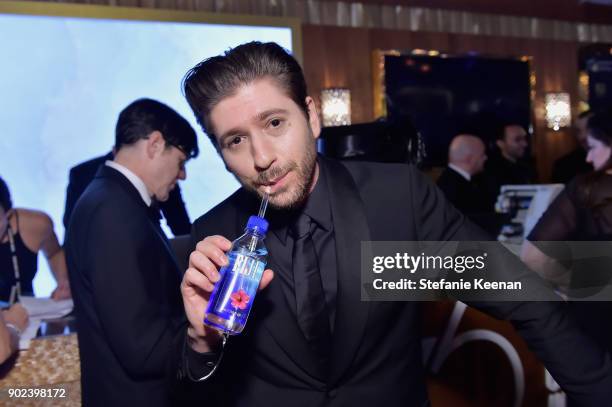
(240, 299)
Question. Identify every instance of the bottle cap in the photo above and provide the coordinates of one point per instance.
(258, 224)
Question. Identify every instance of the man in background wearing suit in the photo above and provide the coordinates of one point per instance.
(466, 158)
(124, 276)
(508, 164)
(310, 340)
(462, 185)
(81, 175)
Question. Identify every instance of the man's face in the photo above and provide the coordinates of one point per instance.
(514, 142)
(267, 142)
(169, 169)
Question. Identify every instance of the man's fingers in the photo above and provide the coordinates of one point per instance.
(202, 263)
(220, 241)
(214, 248)
(193, 278)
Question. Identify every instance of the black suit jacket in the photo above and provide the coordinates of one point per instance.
(472, 199)
(465, 195)
(81, 175)
(376, 349)
(570, 165)
(125, 285)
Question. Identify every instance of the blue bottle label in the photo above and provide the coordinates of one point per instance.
(237, 288)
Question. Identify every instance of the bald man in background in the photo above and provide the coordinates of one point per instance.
(466, 159)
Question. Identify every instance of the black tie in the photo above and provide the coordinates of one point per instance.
(312, 315)
(154, 212)
(155, 216)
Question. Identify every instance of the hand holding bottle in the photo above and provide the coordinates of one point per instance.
(198, 284)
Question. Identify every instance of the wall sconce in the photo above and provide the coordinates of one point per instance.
(558, 110)
(336, 106)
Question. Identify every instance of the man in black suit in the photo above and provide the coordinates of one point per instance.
(124, 275)
(508, 165)
(466, 158)
(81, 175)
(574, 162)
(310, 339)
(463, 186)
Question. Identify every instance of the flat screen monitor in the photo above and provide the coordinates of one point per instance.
(442, 96)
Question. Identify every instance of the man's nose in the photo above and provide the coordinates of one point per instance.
(182, 174)
(262, 151)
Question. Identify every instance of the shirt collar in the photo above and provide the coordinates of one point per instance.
(316, 207)
(460, 171)
(134, 179)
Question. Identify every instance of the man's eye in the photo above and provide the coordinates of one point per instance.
(275, 122)
(234, 141)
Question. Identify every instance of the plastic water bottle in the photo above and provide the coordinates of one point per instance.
(233, 295)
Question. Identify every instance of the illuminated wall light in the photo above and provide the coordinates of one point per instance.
(558, 110)
(336, 107)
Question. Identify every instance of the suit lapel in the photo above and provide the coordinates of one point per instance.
(107, 172)
(350, 228)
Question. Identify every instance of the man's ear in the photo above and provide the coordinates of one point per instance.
(313, 117)
(500, 144)
(155, 143)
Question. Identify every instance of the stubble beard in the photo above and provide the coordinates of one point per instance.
(292, 196)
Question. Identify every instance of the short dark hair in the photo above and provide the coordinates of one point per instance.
(500, 128)
(216, 78)
(144, 116)
(5, 196)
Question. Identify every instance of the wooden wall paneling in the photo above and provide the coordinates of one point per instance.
(315, 65)
(570, 10)
(562, 66)
(356, 64)
(547, 81)
(341, 55)
(136, 3)
(463, 43)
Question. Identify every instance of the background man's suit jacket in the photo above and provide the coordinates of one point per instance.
(472, 199)
(125, 284)
(81, 175)
(376, 349)
(467, 196)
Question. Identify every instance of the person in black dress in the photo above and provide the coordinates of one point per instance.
(23, 233)
(581, 212)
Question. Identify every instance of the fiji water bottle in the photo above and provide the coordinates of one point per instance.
(233, 295)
